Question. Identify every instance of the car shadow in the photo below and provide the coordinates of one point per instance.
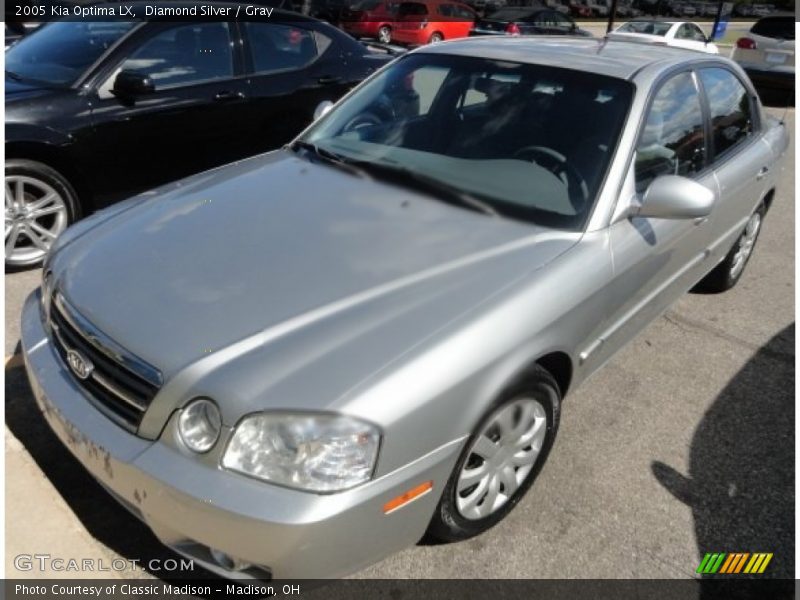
(740, 483)
(105, 519)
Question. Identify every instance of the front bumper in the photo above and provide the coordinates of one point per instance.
(193, 507)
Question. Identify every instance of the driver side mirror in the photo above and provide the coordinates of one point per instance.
(675, 197)
(129, 84)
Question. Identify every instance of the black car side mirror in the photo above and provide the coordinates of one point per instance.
(129, 84)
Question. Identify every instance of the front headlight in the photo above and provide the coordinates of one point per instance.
(320, 453)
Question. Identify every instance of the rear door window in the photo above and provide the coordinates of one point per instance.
(730, 109)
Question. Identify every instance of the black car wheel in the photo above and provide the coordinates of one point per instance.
(40, 204)
(501, 459)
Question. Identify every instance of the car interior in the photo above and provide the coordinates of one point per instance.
(566, 124)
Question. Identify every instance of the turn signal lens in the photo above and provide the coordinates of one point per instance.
(403, 499)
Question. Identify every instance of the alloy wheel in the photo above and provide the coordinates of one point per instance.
(35, 214)
(744, 247)
(501, 458)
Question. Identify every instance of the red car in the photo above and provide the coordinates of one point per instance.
(429, 21)
(371, 19)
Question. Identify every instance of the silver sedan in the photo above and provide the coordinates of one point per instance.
(299, 363)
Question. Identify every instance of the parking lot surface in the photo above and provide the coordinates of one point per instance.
(683, 444)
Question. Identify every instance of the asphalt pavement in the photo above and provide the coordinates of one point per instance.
(683, 444)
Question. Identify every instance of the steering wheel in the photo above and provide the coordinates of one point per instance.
(381, 111)
(556, 163)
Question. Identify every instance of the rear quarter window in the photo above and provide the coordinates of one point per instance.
(775, 27)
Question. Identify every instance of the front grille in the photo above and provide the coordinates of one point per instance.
(121, 385)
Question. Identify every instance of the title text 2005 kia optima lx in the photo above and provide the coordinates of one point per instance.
(299, 363)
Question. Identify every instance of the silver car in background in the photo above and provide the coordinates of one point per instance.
(297, 364)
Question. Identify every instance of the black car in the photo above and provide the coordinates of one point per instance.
(96, 111)
(530, 20)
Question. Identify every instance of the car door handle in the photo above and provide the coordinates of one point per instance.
(328, 80)
(700, 220)
(762, 173)
(228, 96)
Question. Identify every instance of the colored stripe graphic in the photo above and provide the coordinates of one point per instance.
(727, 564)
(734, 563)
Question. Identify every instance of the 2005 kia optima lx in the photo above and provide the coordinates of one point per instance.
(299, 363)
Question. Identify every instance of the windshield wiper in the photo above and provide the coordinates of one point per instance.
(14, 76)
(328, 156)
(433, 186)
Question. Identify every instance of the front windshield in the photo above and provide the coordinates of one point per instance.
(532, 142)
(59, 53)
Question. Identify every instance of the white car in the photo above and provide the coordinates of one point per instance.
(767, 52)
(679, 34)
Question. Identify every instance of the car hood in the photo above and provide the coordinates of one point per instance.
(25, 90)
(275, 242)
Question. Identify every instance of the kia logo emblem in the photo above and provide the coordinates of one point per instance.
(82, 367)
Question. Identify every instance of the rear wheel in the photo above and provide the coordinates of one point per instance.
(40, 203)
(385, 34)
(727, 273)
(501, 459)
(435, 38)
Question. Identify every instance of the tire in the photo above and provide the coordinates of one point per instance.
(727, 273)
(29, 184)
(465, 513)
(385, 34)
(435, 38)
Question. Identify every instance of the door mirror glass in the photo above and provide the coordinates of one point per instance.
(675, 197)
(322, 109)
(129, 84)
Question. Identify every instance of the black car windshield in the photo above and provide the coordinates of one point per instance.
(529, 142)
(513, 14)
(60, 52)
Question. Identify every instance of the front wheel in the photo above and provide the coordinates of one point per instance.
(727, 273)
(40, 203)
(501, 459)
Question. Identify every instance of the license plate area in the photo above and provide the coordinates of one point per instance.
(776, 58)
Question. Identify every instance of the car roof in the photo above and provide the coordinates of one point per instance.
(615, 58)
